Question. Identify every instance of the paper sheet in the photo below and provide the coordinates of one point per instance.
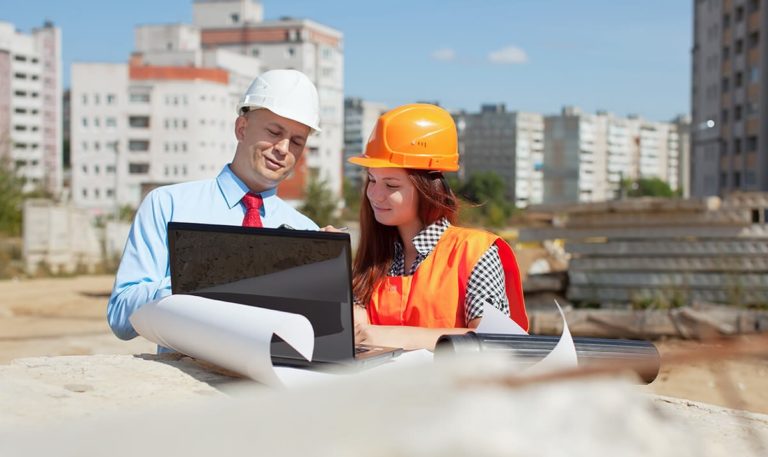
(231, 335)
(562, 356)
(494, 321)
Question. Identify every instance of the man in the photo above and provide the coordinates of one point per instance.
(277, 114)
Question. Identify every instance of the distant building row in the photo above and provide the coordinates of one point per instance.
(569, 157)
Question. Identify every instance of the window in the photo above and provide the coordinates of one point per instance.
(726, 20)
(19, 58)
(110, 122)
(138, 97)
(235, 18)
(753, 109)
(138, 145)
(110, 193)
(737, 146)
(291, 51)
(20, 76)
(738, 79)
(754, 74)
(255, 52)
(739, 13)
(96, 99)
(737, 113)
(138, 121)
(738, 46)
(736, 179)
(751, 143)
(754, 39)
(726, 53)
(138, 168)
(111, 99)
(754, 5)
(85, 122)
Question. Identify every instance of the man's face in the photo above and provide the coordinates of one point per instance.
(268, 148)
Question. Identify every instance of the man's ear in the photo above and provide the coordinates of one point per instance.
(240, 124)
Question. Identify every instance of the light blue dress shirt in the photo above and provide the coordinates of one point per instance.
(144, 272)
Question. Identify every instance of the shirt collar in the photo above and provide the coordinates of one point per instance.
(426, 240)
(233, 189)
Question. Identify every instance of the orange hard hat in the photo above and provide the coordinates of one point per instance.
(418, 136)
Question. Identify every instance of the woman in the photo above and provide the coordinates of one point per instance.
(416, 275)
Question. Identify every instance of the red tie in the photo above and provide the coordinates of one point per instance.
(252, 203)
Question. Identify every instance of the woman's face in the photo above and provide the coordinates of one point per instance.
(392, 195)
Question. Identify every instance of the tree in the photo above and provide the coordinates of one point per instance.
(353, 194)
(319, 204)
(648, 187)
(487, 204)
(11, 197)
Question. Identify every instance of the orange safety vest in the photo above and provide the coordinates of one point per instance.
(434, 295)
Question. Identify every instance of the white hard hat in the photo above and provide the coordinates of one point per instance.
(287, 93)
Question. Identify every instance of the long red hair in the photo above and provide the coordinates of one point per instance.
(376, 249)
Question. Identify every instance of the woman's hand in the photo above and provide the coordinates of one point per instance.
(330, 228)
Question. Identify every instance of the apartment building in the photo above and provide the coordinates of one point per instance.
(30, 105)
(586, 156)
(510, 144)
(729, 151)
(161, 118)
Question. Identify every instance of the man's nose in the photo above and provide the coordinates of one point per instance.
(282, 146)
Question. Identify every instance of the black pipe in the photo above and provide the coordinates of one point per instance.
(638, 355)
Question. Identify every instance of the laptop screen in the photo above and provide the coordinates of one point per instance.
(296, 271)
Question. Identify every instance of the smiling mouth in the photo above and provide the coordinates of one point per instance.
(271, 164)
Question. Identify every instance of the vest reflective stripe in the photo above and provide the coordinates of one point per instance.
(434, 296)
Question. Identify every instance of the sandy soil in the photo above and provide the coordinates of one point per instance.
(67, 317)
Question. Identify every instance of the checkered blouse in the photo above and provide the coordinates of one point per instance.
(486, 282)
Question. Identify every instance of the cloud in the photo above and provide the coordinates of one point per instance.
(508, 55)
(444, 55)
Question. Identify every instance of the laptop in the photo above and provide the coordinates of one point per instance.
(296, 271)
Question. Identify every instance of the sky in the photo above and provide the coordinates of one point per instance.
(626, 57)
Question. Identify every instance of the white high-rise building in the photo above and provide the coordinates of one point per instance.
(31, 105)
(360, 118)
(300, 44)
(586, 156)
(160, 119)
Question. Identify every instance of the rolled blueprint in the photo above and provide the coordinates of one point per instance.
(233, 336)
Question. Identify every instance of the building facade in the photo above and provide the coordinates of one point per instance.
(510, 144)
(729, 88)
(360, 117)
(31, 105)
(587, 156)
(164, 117)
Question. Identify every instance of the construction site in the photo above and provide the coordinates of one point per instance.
(689, 275)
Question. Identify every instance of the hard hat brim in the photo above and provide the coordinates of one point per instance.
(369, 162)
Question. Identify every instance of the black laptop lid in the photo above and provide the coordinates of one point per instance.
(296, 271)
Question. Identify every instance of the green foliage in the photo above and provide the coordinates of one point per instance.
(648, 187)
(319, 204)
(352, 198)
(487, 204)
(11, 198)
